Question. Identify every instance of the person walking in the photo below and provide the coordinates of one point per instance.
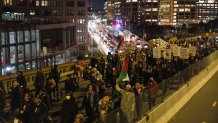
(40, 112)
(69, 109)
(127, 102)
(21, 80)
(152, 92)
(90, 102)
(39, 81)
(56, 76)
(2, 100)
(27, 109)
(16, 97)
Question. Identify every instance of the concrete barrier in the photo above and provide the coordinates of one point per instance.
(166, 110)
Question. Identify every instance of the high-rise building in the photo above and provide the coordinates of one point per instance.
(163, 12)
(45, 27)
(207, 10)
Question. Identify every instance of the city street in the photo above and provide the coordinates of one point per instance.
(202, 107)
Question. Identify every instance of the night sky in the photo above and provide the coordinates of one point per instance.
(98, 4)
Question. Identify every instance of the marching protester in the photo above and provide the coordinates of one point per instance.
(39, 82)
(16, 97)
(145, 73)
(140, 97)
(69, 109)
(152, 92)
(50, 86)
(27, 109)
(104, 108)
(2, 101)
(21, 80)
(40, 112)
(56, 76)
(79, 118)
(90, 102)
(127, 103)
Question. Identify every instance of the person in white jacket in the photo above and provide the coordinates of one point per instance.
(127, 102)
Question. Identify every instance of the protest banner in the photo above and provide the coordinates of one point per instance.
(176, 51)
(184, 53)
(156, 53)
(167, 54)
(192, 50)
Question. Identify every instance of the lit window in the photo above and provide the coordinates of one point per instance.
(37, 3)
(7, 2)
(44, 3)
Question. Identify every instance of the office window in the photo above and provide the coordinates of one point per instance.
(44, 3)
(20, 53)
(7, 2)
(34, 50)
(27, 36)
(27, 51)
(80, 3)
(3, 38)
(81, 21)
(4, 55)
(33, 35)
(70, 12)
(81, 12)
(19, 36)
(37, 3)
(12, 37)
(69, 3)
(13, 54)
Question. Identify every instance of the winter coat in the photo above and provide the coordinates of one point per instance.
(69, 110)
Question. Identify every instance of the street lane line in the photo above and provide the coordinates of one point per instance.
(214, 104)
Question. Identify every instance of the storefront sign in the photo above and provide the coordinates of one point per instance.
(12, 16)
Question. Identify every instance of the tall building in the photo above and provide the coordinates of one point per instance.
(163, 12)
(45, 27)
(207, 10)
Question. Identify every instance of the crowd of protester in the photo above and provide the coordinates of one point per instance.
(145, 74)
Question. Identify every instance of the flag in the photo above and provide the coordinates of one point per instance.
(124, 72)
(120, 46)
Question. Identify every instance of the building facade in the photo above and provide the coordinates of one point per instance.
(164, 12)
(60, 28)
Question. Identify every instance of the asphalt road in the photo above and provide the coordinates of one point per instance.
(202, 107)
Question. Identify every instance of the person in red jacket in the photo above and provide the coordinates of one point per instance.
(152, 91)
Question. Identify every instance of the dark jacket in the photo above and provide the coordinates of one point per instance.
(27, 107)
(22, 81)
(39, 80)
(69, 110)
(40, 114)
(16, 98)
(91, 107)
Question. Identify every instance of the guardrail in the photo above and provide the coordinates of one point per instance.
(64, 70)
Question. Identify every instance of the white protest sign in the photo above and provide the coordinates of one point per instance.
(167, 54)
(156, 53)
(184, 53)
(176, 51)
(172, 47)
(192, 50)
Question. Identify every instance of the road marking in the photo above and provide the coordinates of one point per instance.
(214, 104)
